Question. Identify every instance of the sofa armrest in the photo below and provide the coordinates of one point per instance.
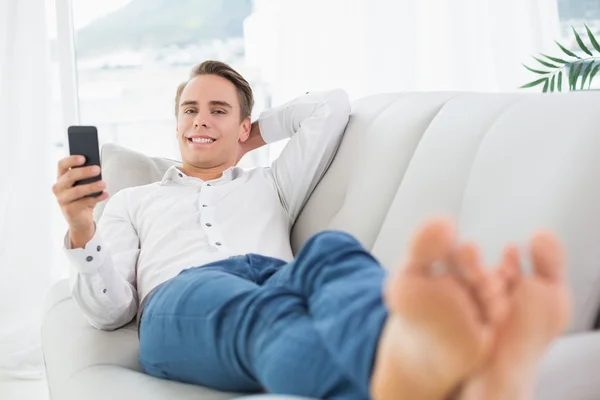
(71, 344)
(83, 362)
(57, 294)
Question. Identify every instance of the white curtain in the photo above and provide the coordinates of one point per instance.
(26, 267)
(374, 46)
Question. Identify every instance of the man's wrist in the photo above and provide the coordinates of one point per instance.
(81, 236)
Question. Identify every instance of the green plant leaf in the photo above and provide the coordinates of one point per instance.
(593, 39)
(580, 43)
(537, 71)
(572, 69)
(559, 84)
(571, 75)
(576, 71)
(546, 64)
(593, 74)
(534, 83)
(586, 73)
(545, 89)
(556, 60)
(552, 83)
(567, 52)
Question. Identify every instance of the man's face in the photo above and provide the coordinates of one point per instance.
(209, 129)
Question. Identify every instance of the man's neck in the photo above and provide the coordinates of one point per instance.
(206, 174)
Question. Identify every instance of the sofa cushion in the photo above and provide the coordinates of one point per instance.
(502, 165)
(122, 168)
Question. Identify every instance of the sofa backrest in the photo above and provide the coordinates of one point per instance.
(502, 165)
(123, 168)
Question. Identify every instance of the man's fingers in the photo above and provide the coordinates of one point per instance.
(77, 192)
(68, 162)
(92, 201)
(68, 179)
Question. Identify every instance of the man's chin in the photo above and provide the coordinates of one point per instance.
(201, 163)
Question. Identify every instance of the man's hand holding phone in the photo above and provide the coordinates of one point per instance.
(76, 207)
(79, 186)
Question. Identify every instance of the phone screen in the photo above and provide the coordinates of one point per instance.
(83, 141)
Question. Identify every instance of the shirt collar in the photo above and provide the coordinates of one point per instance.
(174, 174)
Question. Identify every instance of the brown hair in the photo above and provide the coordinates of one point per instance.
(223, 70)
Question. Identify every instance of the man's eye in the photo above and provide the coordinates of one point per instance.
(189, 111)
(218, 112)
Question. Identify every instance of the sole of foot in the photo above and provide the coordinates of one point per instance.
(438, 332)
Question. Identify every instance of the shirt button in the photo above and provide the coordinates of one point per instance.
(208, 184)
(208, 224)
(180, 175)
(89, 258)
(204, 205)
(218, 243)
(99, 248)
(103, 290)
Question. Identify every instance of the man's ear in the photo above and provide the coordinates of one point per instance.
(246, 127)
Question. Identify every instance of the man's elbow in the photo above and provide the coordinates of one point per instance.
(340, 102)
(336, 110)
(109, 326)
(113, 319)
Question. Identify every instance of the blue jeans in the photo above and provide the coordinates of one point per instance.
(253, 323)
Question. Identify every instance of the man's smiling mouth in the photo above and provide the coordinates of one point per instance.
(201, 140)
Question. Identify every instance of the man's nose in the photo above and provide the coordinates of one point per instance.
(200, 121)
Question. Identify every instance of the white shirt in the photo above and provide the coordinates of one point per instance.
(149, 234)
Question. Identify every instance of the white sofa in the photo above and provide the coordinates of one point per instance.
(501, 164)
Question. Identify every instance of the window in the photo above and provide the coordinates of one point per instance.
(131, 56)
(577, 13)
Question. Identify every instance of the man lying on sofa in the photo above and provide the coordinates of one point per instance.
(203, 260)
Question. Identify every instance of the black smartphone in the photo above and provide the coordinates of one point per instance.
(83, 141)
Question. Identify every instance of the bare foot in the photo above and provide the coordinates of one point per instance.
(539, 309)
(437, 334)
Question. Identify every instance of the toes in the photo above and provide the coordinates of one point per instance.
(493, 294)
(469, 271)
(433, 242)
(510, 266)
(495, 291)
(488, 289)
(468, 264)
(547, 256)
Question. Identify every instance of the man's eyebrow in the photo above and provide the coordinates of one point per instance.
(212, 103)
(189, 103)
(220, 103)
